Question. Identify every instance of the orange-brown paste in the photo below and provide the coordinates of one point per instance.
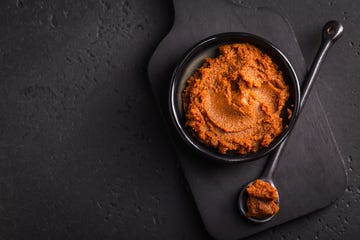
(233, 101)
(262, 200)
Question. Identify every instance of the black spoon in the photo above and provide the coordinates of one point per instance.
(332, 31)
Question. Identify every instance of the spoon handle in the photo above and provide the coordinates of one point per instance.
(332, 31)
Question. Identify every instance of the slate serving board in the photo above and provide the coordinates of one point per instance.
(310, 174)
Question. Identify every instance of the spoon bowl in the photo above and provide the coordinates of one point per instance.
(243, 196)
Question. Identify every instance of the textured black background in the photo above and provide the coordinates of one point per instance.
(83, 154)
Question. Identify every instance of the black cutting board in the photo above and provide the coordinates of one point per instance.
(310, 174)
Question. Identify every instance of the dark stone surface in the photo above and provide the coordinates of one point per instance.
(310, 174)
(83, 154)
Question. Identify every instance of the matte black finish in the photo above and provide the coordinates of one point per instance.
(209, 48)
(216, 187)
(332, 31)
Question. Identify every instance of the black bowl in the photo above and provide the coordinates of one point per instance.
(193, 59)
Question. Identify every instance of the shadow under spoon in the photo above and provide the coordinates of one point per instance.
(332, 31)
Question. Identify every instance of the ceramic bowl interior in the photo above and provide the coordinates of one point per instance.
(194, 58)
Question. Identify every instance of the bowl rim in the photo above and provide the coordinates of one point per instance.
(197, 145)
